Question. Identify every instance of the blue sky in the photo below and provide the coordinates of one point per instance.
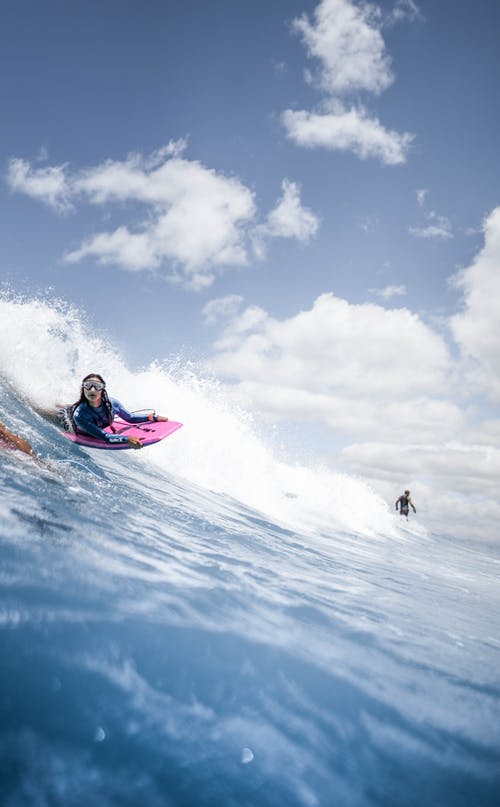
(194, 175)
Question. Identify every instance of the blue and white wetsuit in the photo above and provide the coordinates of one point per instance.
(91, 420)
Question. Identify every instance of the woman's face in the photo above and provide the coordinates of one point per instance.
(92, 394)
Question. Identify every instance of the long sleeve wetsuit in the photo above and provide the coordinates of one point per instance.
(91, 420)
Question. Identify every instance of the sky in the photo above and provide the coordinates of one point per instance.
(302, 197)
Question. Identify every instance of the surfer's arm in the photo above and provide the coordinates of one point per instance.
(414, 508)
(85, 423)
(119, 409)
(15, 441)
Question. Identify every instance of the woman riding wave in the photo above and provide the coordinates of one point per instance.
(95, 410)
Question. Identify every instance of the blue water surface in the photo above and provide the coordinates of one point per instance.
(162, 644)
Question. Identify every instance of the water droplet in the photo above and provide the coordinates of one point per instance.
(246, 755)
(100, 735)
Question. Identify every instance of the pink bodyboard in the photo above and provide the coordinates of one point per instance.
(148, 433)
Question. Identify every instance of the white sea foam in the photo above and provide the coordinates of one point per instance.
(46, 347)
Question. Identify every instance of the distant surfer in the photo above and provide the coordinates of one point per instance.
(405, 503)
(10, 440)
(95, 410)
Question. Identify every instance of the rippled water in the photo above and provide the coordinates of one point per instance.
(164, 644)
(200, 624)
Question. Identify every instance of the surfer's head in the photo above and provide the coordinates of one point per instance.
(407, 492)
(93, 392)
(93, 389)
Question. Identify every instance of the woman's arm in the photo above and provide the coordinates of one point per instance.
(15, 441)
(85, 422)
(119, 409)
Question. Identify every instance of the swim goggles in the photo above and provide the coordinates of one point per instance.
(96, 384)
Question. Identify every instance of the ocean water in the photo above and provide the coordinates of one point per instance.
(205, 622)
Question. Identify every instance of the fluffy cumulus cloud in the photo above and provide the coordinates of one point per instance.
(189, 217)
(407, 408)
(347, 130)
(345, 42)
(198, 221)
(289, 219)
(335, 349)
(477, 326)
(49, 184)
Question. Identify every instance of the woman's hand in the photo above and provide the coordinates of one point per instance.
(160, 417)
(134, 442)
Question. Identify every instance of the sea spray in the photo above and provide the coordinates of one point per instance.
(46, 347)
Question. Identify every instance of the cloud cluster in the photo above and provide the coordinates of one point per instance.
(453, 484)
(436, 227)
(386, 380)
(391, 291)
(289, 219)
(477, 326)
(48, 185)
(196, 219)
(345, 352)
(345, 41)
(404, 10)
(347, 130)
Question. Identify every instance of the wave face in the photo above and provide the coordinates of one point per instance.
(205, 623)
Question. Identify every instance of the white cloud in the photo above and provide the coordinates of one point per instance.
(49, 185)
(438, 227)
(345, 39)
(221, 308)
(198, 219)
(486, 433)
(188, 217)
(476, 328)
(358, 416)
(453, 484)
(391, 291)
(386, 379)
(289, 219)
(421, 195)
(337, 348)
(404, 10)
(347, 130)
(129, 250)
(465, 468)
